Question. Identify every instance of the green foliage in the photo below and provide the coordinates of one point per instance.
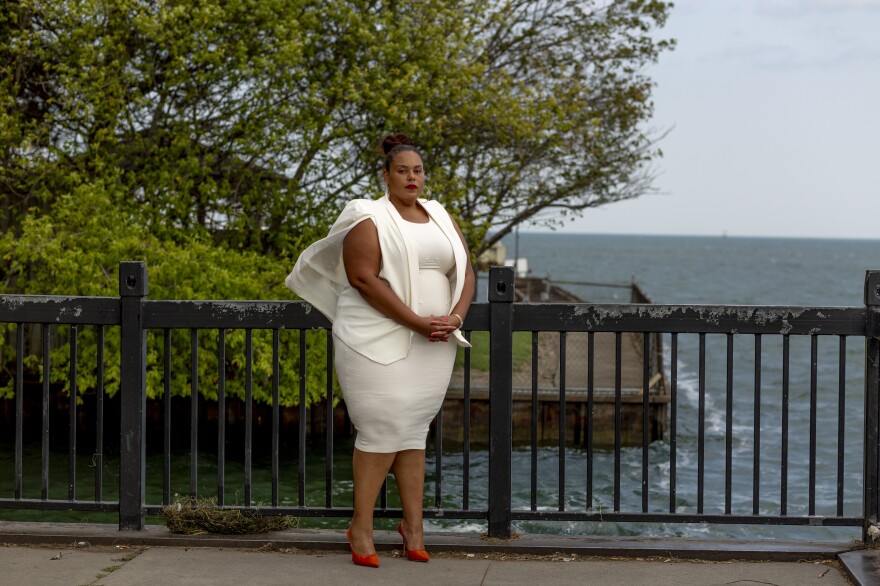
(216, 138)
(76, 249)
(554, 123)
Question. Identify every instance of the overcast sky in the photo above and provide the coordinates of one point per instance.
(774, 107)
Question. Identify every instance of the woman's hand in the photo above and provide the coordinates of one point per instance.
(437, 328)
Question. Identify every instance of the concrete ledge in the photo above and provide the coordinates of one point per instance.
(330, 540)
(862, 566)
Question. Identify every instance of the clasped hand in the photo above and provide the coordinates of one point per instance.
(439, 328)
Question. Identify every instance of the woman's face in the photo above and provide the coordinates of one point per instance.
(406, 177)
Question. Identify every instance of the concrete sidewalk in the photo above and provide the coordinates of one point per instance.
(100, 555)
(131, 566)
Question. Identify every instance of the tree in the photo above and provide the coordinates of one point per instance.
(558, 125)
(258, 119)
(239, 128)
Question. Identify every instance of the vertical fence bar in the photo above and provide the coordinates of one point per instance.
(19, 408)
(166, 429)
(501, 291)
(132, 388)
(71, 442)
(276, 414)
(221, 417)
(194, 414)
(756, 472)
(248, 413)
(841, 422)
(783, 466)
(646, 422)
(301, 447)
(98, 458)
(618, 415)
(44, 460)
(872, 388)
(533, 468)
(701, 424)
(814, 366)
(438, 460)
(328, 468)
(673, 421)
(562, 360)
(590, 391)
(466, 455)
(728, 431)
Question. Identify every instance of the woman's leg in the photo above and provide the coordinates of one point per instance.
(409, 471)
(369, 470)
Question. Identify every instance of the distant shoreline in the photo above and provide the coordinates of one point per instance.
(684, 236)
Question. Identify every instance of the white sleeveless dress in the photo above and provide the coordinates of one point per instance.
(391, 406)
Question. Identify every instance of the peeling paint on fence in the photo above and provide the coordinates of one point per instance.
(59, 309)
(75, 311)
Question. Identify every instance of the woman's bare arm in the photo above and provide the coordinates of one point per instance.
(362, 259)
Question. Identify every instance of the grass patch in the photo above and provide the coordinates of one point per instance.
(522, 350)
(106, 572)
(201, 516)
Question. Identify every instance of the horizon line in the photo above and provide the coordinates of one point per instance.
(693, 235)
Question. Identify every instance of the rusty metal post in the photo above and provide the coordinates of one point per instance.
(132, 389)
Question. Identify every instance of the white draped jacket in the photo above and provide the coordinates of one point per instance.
(319, 277)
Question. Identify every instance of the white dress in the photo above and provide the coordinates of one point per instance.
(392, 405)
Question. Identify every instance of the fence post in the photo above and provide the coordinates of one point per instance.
(501, 289)
(872, 402)
(132, 389)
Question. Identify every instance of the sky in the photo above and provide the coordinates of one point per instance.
(774, 129)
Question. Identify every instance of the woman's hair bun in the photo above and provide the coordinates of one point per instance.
(396, 139)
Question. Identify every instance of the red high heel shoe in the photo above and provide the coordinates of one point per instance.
(371, 561)
(413, 555)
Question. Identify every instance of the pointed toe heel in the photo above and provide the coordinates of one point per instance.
(413, 555)
(370, 561)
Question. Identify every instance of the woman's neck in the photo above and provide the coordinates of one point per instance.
(409, 211)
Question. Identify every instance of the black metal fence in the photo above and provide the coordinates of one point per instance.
(38, 318)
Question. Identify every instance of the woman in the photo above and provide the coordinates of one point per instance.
(396, 289)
